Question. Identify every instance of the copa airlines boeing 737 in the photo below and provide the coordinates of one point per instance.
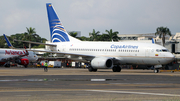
(22, 57)
(103, 55)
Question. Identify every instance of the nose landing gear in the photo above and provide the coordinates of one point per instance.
(156, 70)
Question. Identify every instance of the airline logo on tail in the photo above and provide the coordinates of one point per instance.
(8, 42)
(58, 33)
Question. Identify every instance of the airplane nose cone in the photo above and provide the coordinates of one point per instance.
(36, 58)
(172, 57)
(169, 58)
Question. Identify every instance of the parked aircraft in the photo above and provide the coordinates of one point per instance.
(103, 55)
(21, 57)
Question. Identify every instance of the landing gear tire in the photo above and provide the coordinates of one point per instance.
(92, 69)
(7, 65)
(156, 71)
(116, 69)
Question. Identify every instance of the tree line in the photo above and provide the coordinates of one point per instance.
(31, 35)
(113, 36)
(96, 36)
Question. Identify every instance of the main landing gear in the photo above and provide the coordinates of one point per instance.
(116, 68)
(91, 69)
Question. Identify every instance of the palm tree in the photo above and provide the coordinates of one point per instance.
(94, 35)
(113, 35)
(163, 31)
(30, 33)
(104, 37)
(83, 38)
(73, 34)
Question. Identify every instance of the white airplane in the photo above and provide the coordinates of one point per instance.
(21, 57)
(103, 55)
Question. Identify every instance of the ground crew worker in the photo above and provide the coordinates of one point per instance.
(45, 66)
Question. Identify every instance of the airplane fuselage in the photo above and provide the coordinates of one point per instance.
(126, 52)
(10, 53)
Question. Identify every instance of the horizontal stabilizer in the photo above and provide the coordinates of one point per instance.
(37, 43)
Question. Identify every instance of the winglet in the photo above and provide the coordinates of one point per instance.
(153, 41)
(27, 53)
(8, 42)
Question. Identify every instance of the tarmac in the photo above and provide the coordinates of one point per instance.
(74, 84)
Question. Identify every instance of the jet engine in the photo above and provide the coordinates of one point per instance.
(102, 63)
(24, 62)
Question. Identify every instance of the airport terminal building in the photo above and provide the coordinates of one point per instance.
(172, 42)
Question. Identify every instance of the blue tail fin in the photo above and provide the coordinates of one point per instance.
(8, 42)
(153, 41)
(57, 31)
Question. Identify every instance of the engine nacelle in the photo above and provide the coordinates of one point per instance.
(24, 61)
(102, 63)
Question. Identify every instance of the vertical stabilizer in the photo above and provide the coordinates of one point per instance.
(57, 31)
(153, 41)
(8, 42)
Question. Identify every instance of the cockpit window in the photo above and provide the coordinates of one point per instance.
(162, 50)
(34, 53)
(165, 50)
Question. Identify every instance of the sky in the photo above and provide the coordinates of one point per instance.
(124, 16)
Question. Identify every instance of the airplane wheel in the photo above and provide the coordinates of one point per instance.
(156, 71)
(116, 69)
(91, 69)
(94, 70)
(7, 65)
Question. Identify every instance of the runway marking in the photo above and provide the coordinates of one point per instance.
(98, 79)
(140, 93)
(23, 95)
(83, 94)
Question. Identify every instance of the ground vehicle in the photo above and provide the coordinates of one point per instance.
(54, 64)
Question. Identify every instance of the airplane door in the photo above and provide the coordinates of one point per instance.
(147, 52)
(63, 48)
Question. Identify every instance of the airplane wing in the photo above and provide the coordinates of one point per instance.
(64, 53)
